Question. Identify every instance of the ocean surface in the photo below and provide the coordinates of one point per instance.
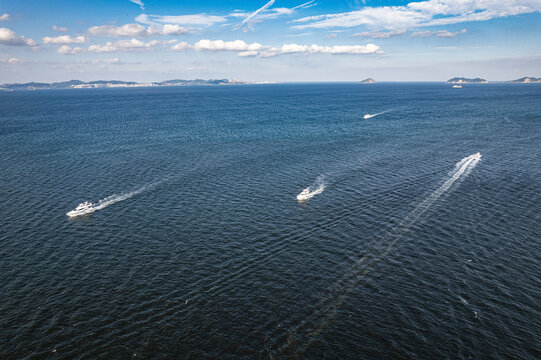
(412, 246)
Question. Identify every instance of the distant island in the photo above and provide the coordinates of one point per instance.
(78, 84)
(462, 80)
(368, 81)
(526, 79)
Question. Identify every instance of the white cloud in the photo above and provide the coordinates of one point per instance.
(316, 49)
(255, 49)
(68, 50)
(4, 17)
(196, 19)
(379, 34)
(439, 33)
(131, 30)
(108, 47)
(137, 30)
(125, 45)
(60, 28)
(445, 33)
(423, 13)
(65, 39)
(181, 46)
(174, 29)
(138, 2)
(12, 60)
(9, 37)
(220, 45)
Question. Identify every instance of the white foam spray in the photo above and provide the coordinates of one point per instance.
(299, 338)
(316, 188)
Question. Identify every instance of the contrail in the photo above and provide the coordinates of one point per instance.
(299, 338)
(305, 5)
(248, 19)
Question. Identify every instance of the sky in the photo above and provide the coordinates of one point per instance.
(275, 41)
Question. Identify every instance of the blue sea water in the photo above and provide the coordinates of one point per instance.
(201, 250)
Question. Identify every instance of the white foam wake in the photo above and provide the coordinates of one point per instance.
(368, 116)
(299, 337)
(316, 188)
(463, 167)
(109, 200)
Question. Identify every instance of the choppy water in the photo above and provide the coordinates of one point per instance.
(414, 250)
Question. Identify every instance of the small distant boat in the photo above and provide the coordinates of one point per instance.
(368, 116)
(81, 209)
(457, 86)
(305, 194)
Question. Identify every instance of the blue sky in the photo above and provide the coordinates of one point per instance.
(318, 40)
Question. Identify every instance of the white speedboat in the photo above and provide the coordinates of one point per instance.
(81, 209)
(457, 86)
(305, 194)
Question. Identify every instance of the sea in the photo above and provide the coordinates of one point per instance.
(420, 237)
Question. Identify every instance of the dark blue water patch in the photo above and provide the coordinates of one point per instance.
(213, 257)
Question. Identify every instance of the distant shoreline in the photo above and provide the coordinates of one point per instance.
(132, 85)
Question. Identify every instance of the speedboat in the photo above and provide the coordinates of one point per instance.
(81, 209)
(305, 194)
(457, 86)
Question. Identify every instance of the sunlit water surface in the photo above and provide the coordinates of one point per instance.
(412, 250)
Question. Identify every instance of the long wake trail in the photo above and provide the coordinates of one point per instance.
(297, 340)
(110, 200)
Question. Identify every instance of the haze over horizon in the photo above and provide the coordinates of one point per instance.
(300, 41)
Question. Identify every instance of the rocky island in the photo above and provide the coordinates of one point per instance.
(527, 79)
(462, 80)
(368, 81)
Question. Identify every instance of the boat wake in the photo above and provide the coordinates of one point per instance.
(110, 200)
(299, 337)
(316, 188)
(368, 116)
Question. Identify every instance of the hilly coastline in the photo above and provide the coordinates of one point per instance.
(78, 84)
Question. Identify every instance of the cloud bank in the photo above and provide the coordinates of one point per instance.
(255, 49)
(128, 45)
(137, 30)
(423, 13)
